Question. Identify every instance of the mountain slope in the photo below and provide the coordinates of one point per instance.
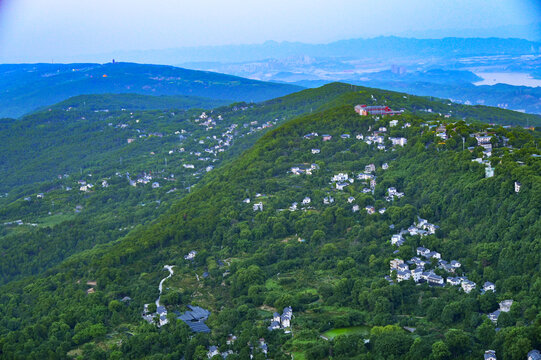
(27, 87)
(110, 102)
(53, 154)
(326, 261)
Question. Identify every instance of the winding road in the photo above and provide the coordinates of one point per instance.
(160, 287)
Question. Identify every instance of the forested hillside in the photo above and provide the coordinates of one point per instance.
(75, 177)
(27, 87)
(304, 219)
(137, 102)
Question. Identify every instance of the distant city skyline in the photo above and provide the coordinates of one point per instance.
(67, 30)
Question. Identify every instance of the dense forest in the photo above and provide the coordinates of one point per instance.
(268, 234)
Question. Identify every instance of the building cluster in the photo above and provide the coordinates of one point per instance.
(505, 306)
(392, 193)
(341, 180)
(376, 137)
(160, 315)
(304, 169)
(282, 321)
(305, 202)
(213, 351)
(421, 228)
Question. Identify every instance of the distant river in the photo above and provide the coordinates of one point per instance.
(517, 79)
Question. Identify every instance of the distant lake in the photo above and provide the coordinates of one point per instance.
(517, 79)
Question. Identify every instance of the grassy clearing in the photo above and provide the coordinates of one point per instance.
(331, 334)
(52, 220)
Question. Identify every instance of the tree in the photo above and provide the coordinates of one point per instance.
(419, 349)
(440, 351)
(318, 236)
(115, 306)
(390, 341)
(458, 342)
(485, 333)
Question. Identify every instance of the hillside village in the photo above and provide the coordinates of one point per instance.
(175, 159)
(341, 193)
(487, 148)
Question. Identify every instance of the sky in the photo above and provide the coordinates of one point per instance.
(62, 30)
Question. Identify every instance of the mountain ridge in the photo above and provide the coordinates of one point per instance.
(26, 87)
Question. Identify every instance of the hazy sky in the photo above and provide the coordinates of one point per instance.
(46, 30)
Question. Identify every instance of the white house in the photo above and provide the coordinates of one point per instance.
(364, 176)
(328, 200)
(505, 305)
(434, 279)
(306, 201)
(483, 139)
(534, 355)
(370, 210)
(517, 186)
(351, 199)
(417, 274)
(422, 251)
(401, 141)
(468, 286)
(490, 355)
(258, 206)
(403, 275)
(385, 166)
(341, 185)
(316, 151)
(355, 208)
(213, 351)
(493, 316)
(369, 168)
(393, 123)
(397, 239)
(395, 263)
(340, 177)
(488, 286)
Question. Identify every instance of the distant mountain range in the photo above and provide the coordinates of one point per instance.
(379, 47)
(27, 87)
